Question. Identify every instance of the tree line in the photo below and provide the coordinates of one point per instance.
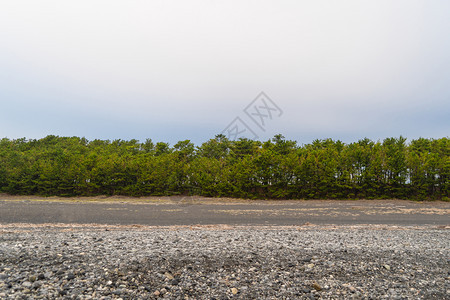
(275, 169)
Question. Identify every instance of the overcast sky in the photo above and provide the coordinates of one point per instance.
(175, 70)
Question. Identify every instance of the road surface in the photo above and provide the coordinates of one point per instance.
(197, 211)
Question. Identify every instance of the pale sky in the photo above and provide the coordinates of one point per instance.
(176, 70)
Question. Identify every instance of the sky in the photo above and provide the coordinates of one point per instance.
(176, 70)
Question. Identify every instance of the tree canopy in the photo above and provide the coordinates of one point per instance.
(276, 169)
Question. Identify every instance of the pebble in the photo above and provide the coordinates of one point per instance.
(168, 275)
(205, 263)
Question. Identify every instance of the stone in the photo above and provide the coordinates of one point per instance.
(387, 267)
(169, 276)
(36, 285)
(253, 266)
(118, 292)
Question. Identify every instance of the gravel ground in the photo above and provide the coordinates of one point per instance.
(222, 262)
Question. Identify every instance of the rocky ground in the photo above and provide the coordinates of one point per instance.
(221, 262)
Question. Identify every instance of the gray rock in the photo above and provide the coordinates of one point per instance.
(259, 262)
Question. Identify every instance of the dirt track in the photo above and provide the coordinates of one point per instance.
(194, 210)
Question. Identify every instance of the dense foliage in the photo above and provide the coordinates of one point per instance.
(278, 168)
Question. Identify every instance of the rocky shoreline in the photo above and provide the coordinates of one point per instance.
(223, 262)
